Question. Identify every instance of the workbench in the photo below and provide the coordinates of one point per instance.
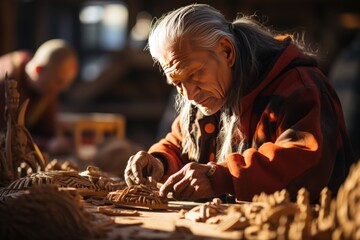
(165, 224)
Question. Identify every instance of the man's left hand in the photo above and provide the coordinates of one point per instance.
(190, 183)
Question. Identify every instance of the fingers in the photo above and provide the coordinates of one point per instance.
(155, 169)
(143, 165)
(183, 188)
(190, 183)
(169, 184)
(186, 190)
(134, 167)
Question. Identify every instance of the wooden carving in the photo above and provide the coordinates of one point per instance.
(274, 216)
(101, 181)
(17, 145)
(348, 206)
(143, 196)
(206, 211)
(55, 165)
(85, 183)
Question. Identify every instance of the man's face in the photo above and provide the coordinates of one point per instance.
(201, 76)
(53, 79)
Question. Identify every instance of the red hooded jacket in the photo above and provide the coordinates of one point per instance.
(295, 130)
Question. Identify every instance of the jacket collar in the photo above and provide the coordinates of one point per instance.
(290, 53)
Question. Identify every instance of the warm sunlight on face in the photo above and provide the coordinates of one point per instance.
(202, 77)
(54, 78)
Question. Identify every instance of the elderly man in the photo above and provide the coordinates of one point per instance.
(41, 77)
(255, 113)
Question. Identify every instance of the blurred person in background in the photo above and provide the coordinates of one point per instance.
(41, 77)
(256, 114)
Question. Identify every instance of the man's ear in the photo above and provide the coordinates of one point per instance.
(226, 47)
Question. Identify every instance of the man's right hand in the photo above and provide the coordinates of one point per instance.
(141, 166)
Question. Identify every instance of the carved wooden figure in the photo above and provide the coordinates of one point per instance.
(204, 212)
(348, 206)
(146, 196)
(325, 224)
(83, 183)
(17, 145)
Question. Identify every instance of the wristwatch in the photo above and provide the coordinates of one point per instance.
(211, 170)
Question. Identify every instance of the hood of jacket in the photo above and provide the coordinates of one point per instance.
(290, 57)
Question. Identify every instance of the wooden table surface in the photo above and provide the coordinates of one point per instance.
(167, 224)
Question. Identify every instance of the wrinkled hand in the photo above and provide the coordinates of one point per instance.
(190, 183)
(141, 166)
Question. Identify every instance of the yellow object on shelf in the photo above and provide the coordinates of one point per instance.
(90, 129)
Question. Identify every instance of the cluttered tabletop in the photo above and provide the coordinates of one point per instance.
(181, 220)
(55, 200)
(69, 204)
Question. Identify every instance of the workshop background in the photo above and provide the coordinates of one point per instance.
(118, 76)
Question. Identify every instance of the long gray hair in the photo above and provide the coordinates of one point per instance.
(204, 26)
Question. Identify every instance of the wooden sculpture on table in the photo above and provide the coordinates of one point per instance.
(139, 196)
(29, 199)
(87, 183)
(16, 143)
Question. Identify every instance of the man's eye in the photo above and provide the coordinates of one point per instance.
(194, 76)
